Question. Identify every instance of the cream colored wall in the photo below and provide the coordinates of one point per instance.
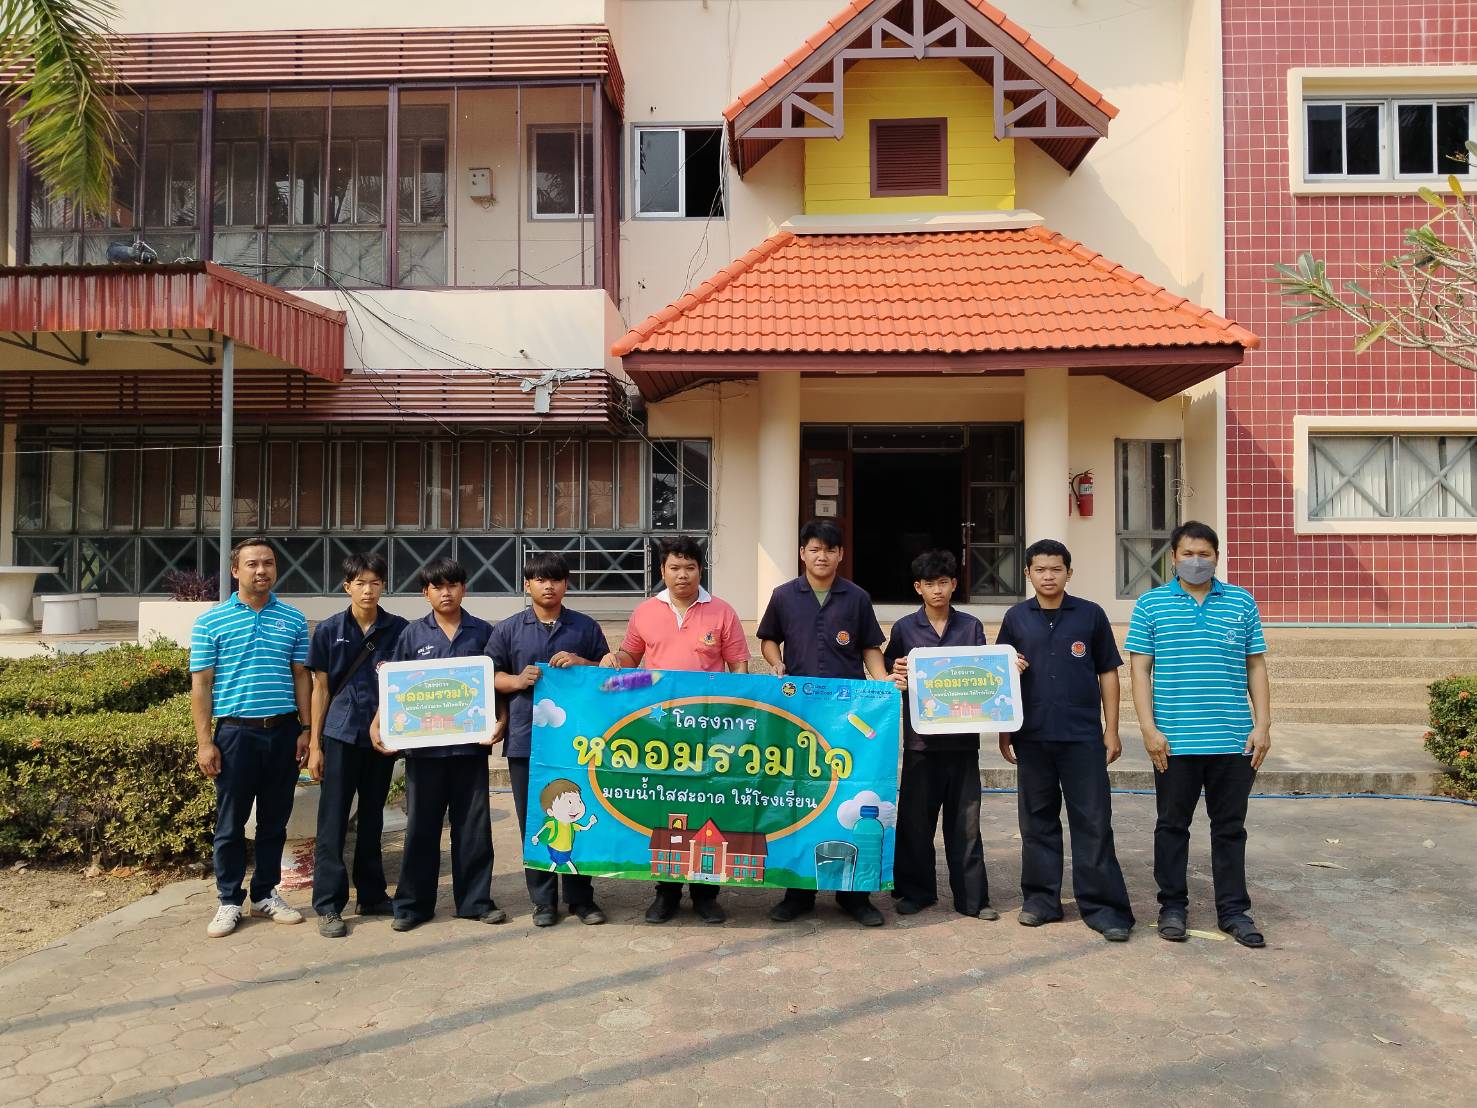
(528, 331)
(156, 16)
(554, 251)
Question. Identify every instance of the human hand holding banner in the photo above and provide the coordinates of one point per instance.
(733, 779)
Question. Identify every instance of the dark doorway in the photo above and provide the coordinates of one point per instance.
(902, 505)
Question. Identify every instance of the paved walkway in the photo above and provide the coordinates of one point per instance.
(1365, 995)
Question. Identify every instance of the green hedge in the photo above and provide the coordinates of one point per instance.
(123, 785)
(1453, 735)
(125, 678)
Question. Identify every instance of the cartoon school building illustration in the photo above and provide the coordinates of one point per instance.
(706, 854)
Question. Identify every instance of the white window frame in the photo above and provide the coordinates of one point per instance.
(1391, 85)
(581, 133)
(1304, 427)
(1385, 143)
(681, 128)
(1436, 160)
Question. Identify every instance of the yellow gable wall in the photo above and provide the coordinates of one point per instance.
(838, 174)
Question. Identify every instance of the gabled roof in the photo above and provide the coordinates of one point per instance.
(1058, 109)
(995, 301)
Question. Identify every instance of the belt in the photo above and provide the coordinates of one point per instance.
(262, 723)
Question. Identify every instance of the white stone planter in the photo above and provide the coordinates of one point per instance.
(170, 620)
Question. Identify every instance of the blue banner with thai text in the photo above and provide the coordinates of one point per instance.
(732, 779)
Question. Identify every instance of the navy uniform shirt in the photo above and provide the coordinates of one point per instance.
(423, 639)
(913, 631)
(521, 641)
(821, 641)
(1067, 648)
(337, 643)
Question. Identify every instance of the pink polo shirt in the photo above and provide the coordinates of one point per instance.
(706, 638)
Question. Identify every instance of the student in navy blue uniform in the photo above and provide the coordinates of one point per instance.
(549, 632)
(1070, 736)
(248, 675)
(442, 779)
(342, 657)
(821, 625)
(940, 772)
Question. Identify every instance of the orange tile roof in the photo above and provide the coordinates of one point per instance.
(802, 53)
(950, 292)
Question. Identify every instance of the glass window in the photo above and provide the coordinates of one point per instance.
(502, 488)
(92, 489)
(471, 486)
(536, 485)
(562, 169)
(679, 172)
(600, 484)
(1425, 138)
(408, 484)
(568, 486)
(424, 145)
(1147, 497)
(30, 485)
(1373, 477)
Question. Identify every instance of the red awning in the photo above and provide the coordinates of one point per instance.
(59, 314)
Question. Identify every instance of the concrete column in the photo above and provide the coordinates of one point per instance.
(1046, 454)
(8, 475)
(778, 480)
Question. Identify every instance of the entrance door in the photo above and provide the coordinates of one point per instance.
(906, 503)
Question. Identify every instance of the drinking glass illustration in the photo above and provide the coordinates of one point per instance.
(835, 865)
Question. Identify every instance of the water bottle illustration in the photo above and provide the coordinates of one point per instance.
(868, 837)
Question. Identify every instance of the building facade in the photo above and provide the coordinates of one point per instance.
(1352, 479)
(648, 267)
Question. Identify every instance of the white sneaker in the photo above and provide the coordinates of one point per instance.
(227, 916)
(276, 909)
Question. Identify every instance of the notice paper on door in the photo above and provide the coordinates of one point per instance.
(825, 509)
(828, 486)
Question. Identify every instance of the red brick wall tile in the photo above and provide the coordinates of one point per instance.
(1310, 369)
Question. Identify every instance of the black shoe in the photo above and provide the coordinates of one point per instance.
(588, 913)
(710, 911)
(906, 906)
(493, 915)
(545, 916)
(331, 925)
(1029, 919)
(663, 907)
(863, 911)
(1172, 926)
(382, 908)
(788, 910)
(405, 923)
(1115, 934)
(990, 915)
(1244, 932)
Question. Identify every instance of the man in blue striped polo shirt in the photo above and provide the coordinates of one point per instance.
(248, 668)
(1197, 658)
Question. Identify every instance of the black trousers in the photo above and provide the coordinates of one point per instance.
(698, 891)
(1046, 774)
(934, 781)
(350, 770)
(433, 787)
(1227, 781)
(543, 886)
(257, 766)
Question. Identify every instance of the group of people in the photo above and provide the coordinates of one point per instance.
(269, 699)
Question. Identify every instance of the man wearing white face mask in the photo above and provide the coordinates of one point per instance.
(1200, 688)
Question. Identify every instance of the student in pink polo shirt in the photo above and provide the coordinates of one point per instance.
(683, 627)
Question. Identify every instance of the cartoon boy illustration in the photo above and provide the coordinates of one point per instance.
(563, 803)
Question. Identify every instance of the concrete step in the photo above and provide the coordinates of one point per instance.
(1333, 714)
(1394, 691)
(1283, 667)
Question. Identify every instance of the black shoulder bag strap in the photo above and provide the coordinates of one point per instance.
(359, 659)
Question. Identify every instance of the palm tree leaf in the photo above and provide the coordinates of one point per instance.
(60, 50)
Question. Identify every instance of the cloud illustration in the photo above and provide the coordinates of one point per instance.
(548, 714)
(850, 811)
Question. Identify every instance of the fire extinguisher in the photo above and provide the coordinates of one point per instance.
(1080, 485)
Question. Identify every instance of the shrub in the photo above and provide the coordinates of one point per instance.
(186, 584)
(125, 678)
(123, 785)
(1453, 735)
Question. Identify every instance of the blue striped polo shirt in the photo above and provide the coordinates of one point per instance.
(1199, 651)
(252, 655)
